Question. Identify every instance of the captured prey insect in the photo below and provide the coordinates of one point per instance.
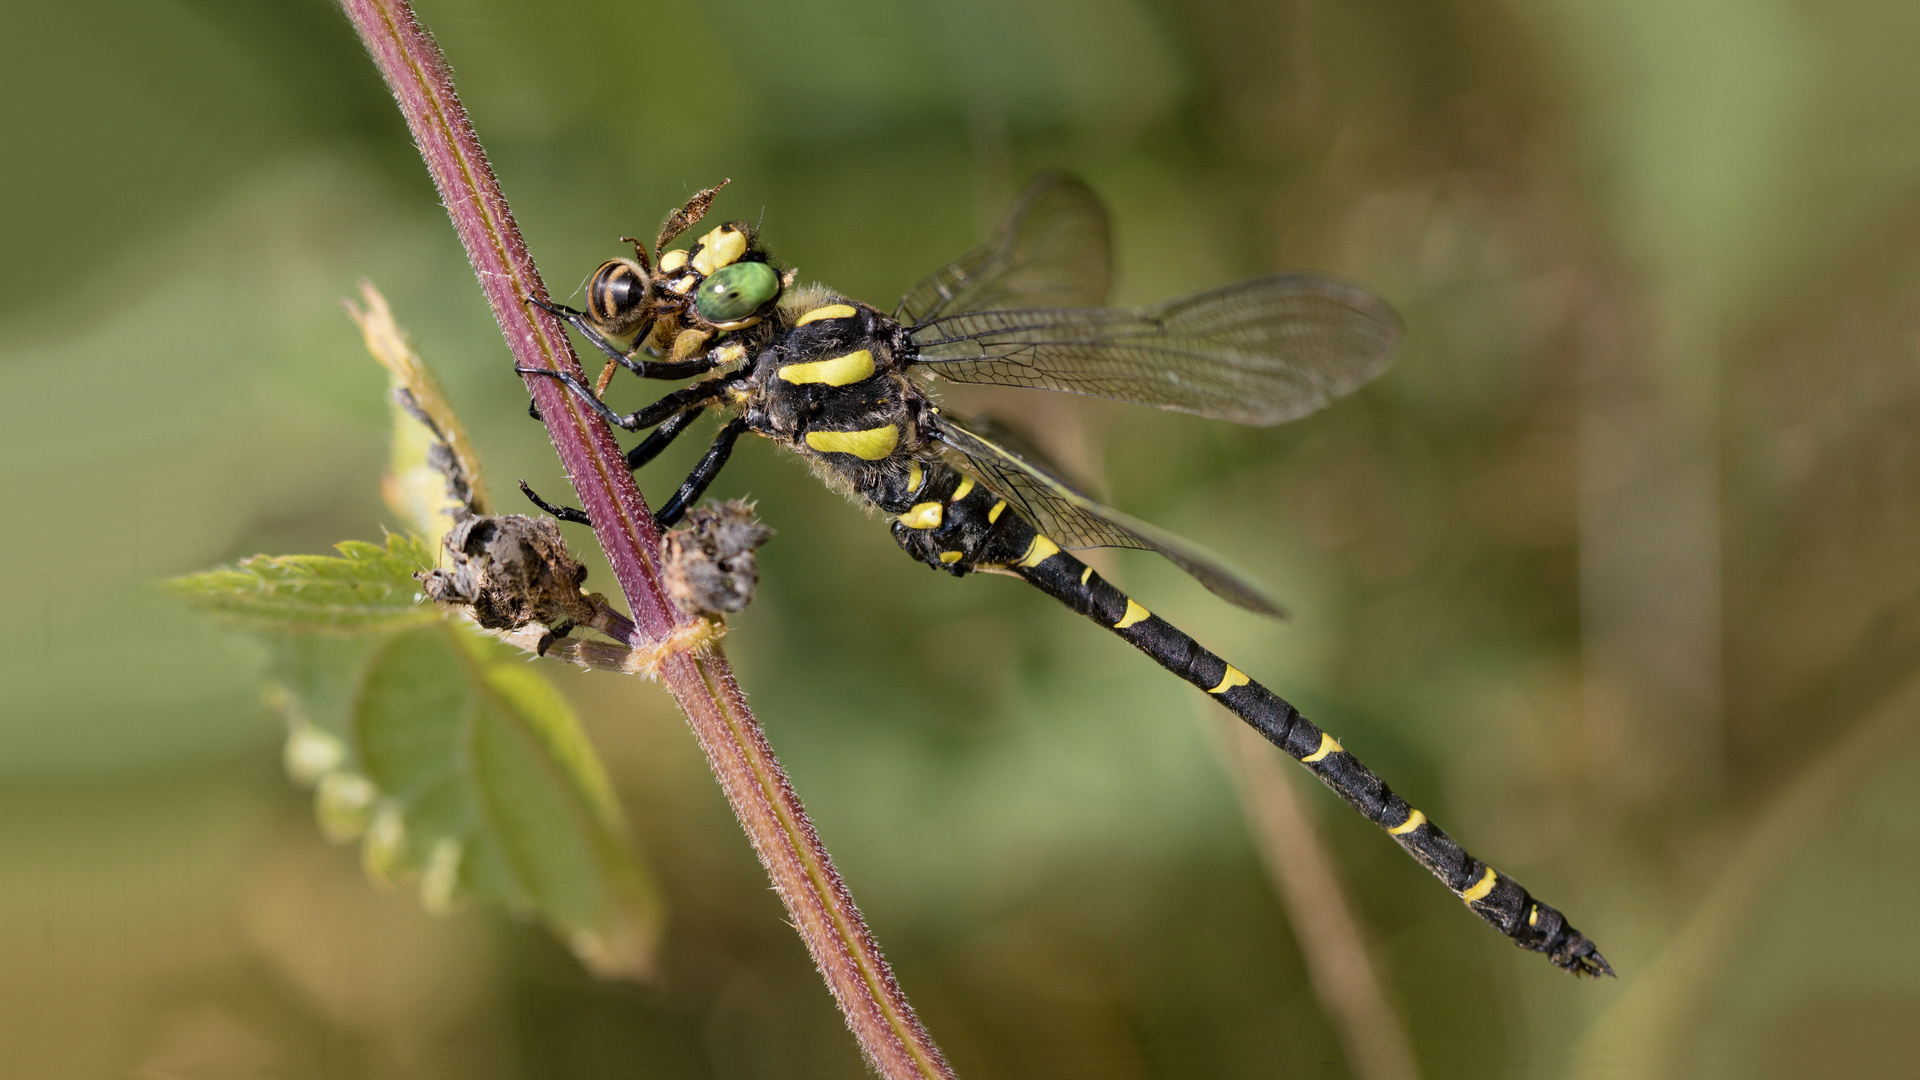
(839, 383)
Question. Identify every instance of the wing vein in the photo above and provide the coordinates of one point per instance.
(1075, 520)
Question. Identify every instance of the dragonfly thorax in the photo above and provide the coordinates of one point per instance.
(830, 383)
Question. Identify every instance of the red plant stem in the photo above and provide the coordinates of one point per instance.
(702, 683)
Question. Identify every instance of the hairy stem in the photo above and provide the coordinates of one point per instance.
(701, 683)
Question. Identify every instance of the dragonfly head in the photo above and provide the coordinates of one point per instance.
(724, 282)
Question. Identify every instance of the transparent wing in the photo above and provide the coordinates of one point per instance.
(1074, 520)
(1054, 249)
(1260, 352)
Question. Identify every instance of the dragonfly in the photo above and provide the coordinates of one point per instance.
(849, 388)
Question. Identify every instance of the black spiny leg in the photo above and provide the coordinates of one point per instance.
(646, 369)
(696, 483)
(669, 430)
(690, 490)
(653, 415)
(564, 513)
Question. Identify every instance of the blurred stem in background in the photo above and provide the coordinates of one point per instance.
(1346, 981)
(1344, 975)
(1647, 1028)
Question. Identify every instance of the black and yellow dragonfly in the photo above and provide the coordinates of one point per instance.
(843, 385)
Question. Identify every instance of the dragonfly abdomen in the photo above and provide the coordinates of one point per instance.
(953, 523)
(1493, 896)
(959, 526)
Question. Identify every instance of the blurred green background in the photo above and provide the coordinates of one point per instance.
(1614, 573)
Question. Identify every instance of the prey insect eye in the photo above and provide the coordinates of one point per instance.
(618, 297)
(732, 293)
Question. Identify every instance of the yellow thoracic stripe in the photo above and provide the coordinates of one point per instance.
(831, 311)
(1084, 574)
(838, 371)
(872, 444)
(1328, 745)
(1480, 888)
(1231, 679)
(1039, 551)
(1135, 614)
(993, 515)
(924, 515)
(915, 477)
(950, 556)
(966, 485)
(1415, 819)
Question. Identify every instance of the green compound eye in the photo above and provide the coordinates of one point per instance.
(732, 293)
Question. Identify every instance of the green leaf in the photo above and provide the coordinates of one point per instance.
(467, 771)
(456, 764)
(366, 589)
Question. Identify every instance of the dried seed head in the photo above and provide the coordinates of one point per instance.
(710, 566)
(513, 570)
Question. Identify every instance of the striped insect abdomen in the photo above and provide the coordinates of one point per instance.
(957, 525)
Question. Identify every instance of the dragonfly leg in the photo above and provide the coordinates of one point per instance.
(669, 430)
(564, 513)
(651, 416)
(702, 475)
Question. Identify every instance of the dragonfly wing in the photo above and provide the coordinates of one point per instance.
(1260, 352)
(1054, 249)
(1075, 520)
